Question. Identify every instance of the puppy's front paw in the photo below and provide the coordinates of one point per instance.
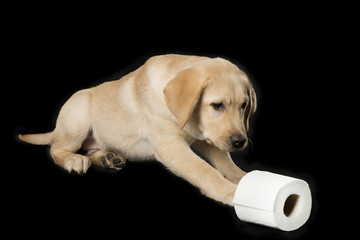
(229, 196)
(114, 161)
(236, 175)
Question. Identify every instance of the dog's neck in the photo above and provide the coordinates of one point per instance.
(192, 129)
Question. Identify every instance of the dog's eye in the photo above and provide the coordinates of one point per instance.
(218, 106)
(243, 106)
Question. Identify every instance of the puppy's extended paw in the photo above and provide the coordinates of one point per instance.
(114, 161)
(236, 175)
(229, 196)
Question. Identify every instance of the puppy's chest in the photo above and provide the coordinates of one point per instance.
(133, 145)
(137, 149)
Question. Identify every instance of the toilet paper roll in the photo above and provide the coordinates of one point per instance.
(273, 200)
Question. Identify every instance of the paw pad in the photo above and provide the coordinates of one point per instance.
(111, 160)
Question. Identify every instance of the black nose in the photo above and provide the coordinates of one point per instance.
(237, 141)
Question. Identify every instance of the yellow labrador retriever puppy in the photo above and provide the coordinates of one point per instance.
(157, 112)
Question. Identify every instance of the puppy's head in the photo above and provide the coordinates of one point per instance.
(213, 101)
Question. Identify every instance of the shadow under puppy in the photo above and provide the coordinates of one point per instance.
(157, 112)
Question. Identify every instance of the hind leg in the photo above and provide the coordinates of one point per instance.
(107, 160)
(72, 128)
(70, 161)
(97, 156)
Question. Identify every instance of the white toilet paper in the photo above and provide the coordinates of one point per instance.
(273, 200)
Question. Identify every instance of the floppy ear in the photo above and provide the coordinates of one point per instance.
(183, 92)
(251, 107)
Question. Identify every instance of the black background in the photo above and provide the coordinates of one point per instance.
(52, 53)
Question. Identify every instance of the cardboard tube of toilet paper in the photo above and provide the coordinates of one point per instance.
(273, 200)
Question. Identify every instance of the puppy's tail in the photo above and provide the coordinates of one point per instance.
(38, 139)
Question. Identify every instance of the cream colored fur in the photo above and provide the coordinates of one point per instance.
(157, 112)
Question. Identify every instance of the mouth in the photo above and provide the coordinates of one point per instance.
(237, 149)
